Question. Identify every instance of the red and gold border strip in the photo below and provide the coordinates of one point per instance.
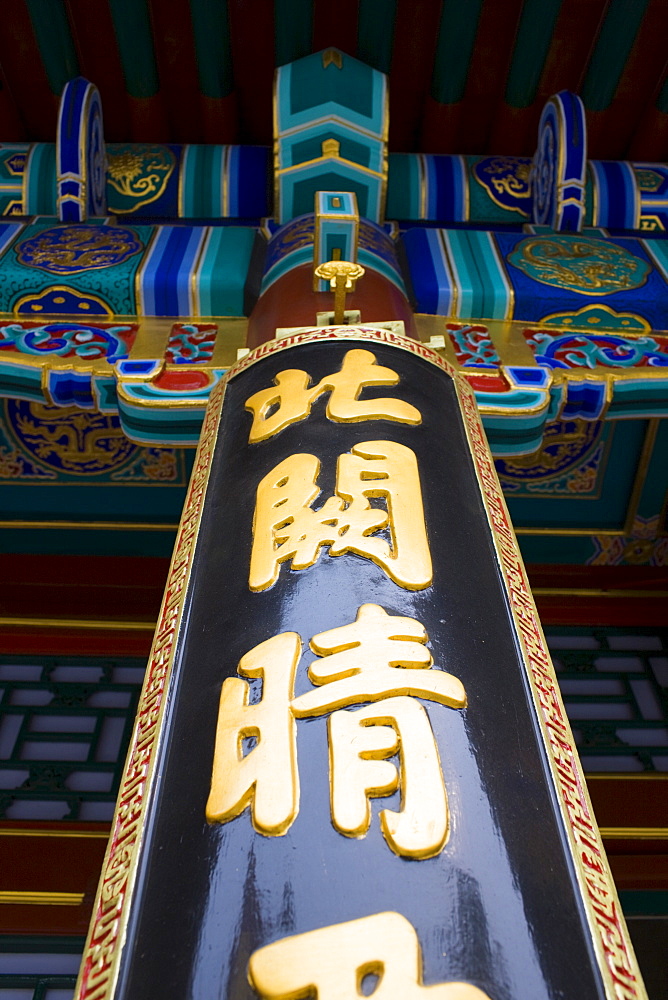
(106, 936)
(616, 959)
(309, 335)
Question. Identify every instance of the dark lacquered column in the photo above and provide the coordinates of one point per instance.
(351, 769)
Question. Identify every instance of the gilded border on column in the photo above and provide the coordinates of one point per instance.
(106, 935)
(616, 959)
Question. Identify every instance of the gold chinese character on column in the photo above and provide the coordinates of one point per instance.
(336, 962)
(383, 658)
(255, 760)
(290, 399)
(286, 527)
(379, 659)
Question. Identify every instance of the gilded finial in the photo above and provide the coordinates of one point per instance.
(342, 276)
(331, 147)
(330, 56)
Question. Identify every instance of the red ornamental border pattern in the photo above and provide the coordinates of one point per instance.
(341, 333)
(96, 978)
(591, 864)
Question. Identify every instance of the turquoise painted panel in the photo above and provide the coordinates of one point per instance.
(298, 188)
(307, 90)
(330, 133)
(95, 260)
(41, 179)
(100, 269)
(223, 269)
(306, 145)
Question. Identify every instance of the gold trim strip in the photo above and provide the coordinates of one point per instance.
(139, 273)
(324, 160)
(194, 297)
(344, 123)
(107, 933)
(594, 592)
(570, 532)
(225, 188)
(83, 623)
(451, 267)
(641, 474)
(422, 173)
(71, 834)
(180, 195)
(610, 939)
(24, 179)
(41, 898)
(625, 776)
(607, 832)
(508, 285)
(634, 832)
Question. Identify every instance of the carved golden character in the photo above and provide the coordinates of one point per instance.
(359, 742)
(378, 658)
(263, 776)
(285, 527)
(291, 398)
(332, 963)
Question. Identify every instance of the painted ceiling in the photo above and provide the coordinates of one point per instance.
(466, 76)
(70, 481)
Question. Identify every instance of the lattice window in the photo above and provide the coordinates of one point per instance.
(37, 987)
(39, 968)
(615, 686)
(65, 725)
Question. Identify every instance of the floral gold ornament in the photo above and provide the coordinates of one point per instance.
(137, 174)
(580, 264)
(507, 181)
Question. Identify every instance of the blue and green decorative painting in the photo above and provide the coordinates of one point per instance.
(572, 462)
(96, 268)
(474, 274)
(93, 259)
(582, 477)
(560, 271)
(63, 445)
(330, 133)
